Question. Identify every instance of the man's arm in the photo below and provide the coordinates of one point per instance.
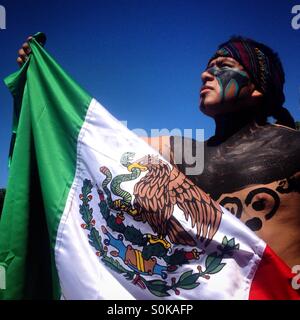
(185, 153)
(162, 145)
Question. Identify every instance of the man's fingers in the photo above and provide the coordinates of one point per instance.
(26, 48)
(22, 57)
(22, 54)
(20, 62)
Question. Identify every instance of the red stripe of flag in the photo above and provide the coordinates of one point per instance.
(273, 280)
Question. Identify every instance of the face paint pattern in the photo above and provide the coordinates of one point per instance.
(231, 80)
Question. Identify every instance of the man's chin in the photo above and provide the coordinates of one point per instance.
(209, 109)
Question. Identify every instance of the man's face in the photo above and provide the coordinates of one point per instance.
(226, 87)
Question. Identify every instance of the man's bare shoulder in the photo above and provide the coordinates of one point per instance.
(184, 152)
(285, 129)
(287, 139)
(160, 144)
(157, 140)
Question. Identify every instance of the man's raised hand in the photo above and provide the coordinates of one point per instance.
(24, 52)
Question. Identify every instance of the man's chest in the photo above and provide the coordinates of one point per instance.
(246, 160)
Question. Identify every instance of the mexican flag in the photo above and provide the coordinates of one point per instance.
(93, 212)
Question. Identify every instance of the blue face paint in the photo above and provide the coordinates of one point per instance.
(229, 79)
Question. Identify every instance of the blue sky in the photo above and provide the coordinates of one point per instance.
(142, 59)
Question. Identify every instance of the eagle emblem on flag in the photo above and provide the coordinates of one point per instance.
(139, 255)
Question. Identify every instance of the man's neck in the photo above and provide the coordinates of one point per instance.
(230, 123)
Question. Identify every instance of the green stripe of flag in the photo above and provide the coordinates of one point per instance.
(48, 118)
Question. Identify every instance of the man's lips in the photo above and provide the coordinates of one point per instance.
(205, 89)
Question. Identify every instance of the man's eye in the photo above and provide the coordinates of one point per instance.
(226, 65)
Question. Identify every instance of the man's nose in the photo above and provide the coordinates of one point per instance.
(206, 76)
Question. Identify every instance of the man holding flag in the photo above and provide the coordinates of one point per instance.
(251, 167)
(93, 212)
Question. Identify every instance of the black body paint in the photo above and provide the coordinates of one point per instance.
(233, 202)
(254, 155)
(291, 184)
(258, 205)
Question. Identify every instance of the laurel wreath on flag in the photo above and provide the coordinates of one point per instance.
(160, 288)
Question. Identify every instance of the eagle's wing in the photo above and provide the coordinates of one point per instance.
(156, 206)
(204, 212)
(151, 195)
